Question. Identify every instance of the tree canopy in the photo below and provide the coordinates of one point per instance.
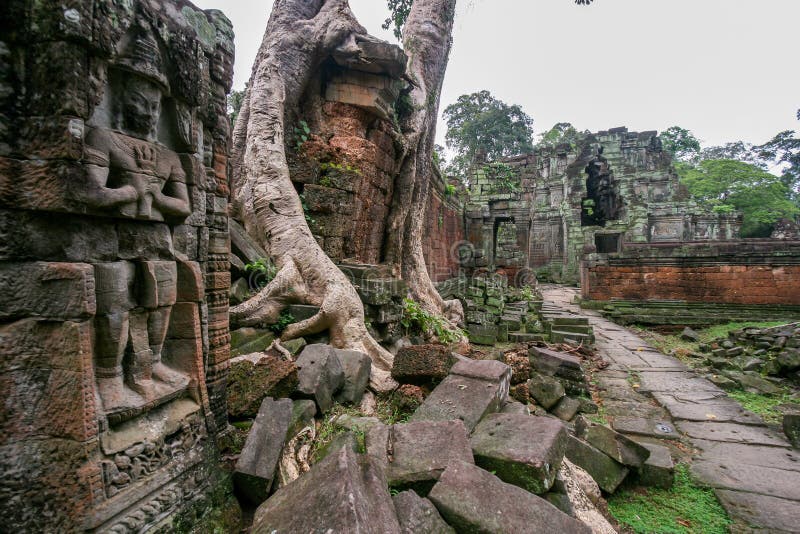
(480, 124)
(727, 185)
(681, 142)
(561, 132)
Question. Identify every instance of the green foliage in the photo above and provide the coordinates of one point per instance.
(726, 185)
(415, 317)
(328, 167)
(301, 134)
(684, 508)
(284, 320)
(309, 219)
(784, 150)
(680, 142)
(763, 405)
(560, 133)
(449, 190)
(504, 177)
(261, 271)
(399, 10)
(479, 125)
(234, 105)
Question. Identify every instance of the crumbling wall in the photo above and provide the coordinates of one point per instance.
(443, 230)
(113, 263)
(733, 272)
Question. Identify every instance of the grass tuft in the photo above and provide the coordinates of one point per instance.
(763, 405)
(684, 508)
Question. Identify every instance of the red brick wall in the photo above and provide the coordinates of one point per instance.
(444, 229)
(730, 284)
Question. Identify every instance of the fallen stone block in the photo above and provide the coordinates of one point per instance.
(520, 449)
(515, 407)
(546, 390)
(689, 335)
(473, 389)
(414, 455)
(582, 496)
(473, 500)
(550, 362)
(418, 515)
(253, 377)
(320, 375)
(791, 427)
(255, 468)
(605, 471)
(344, 492)
(659, 469)
(356, 367)
(422, 364)
(617, 446)
(482, 334)
(567, 408)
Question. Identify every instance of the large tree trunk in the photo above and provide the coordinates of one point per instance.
(300, 35)
(426, 41)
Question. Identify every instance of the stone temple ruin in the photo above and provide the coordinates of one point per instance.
(118, 249)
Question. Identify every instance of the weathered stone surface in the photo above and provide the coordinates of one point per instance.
(255, 376)
(731, 474)
(716, 409)
(473, 500)
(356, 367)
(546, 390)
(314, 502)
(567, 408)
(415, 454)
(418, 515)
(255, 468)
(731, 432)
(515, 407)
(643, 426)
(407, 398)
(615, 445)
(247, 340)
(550, 362)
(422, 364)
(758, 455)
(473, 389)
(320, 375)
(659, 469)
(689, 335)
(606, 472)
(762, 512)
(583, 494)
(49, 290)
(520, 449)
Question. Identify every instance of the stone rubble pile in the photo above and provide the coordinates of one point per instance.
(468, 459)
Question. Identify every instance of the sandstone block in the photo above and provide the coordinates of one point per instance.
(416, 454)
(314, 502)
(255, 376)
(356, 367)
(659, 469)
(418, 515)
(617, 446)
(522, 450)
(320, 375)
(422, 364)
(546, 390)
(255, 468)
(49, 290)
(606, 472)
(473, 500)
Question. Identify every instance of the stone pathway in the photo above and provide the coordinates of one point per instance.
(754, 470)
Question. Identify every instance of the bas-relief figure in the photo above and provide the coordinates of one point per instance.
(131, 175)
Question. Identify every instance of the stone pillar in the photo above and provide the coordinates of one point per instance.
(113, 263)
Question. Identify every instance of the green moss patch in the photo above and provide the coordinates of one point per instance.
(684, 508)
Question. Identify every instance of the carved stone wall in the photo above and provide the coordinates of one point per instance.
(114, 274)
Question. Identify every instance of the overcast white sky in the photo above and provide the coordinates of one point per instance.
(726, 69)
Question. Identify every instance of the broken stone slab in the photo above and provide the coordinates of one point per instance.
(240, 291)
(752, 381)
(347, 440)
(550, 362)
(320, 375)
(761, 512)
(418, 515)
(582, 495)
(567, 408)
(643, 426)
(515, 407)
(730, 474)
(356, 367)
(720, 409)
(253, 377)
(522, 450)
(481, 334)
(247, 340)
(473, 500)
(243, 245)
(422, 364)
(659, 469)
(414, 455)
(607, 472)
(617, 446)
(344, 492)
(294, 346)
(689, 335)
(255, 468)
(546, 390)
(473, 389)
(731, 432)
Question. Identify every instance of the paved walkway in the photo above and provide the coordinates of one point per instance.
(754, 470)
